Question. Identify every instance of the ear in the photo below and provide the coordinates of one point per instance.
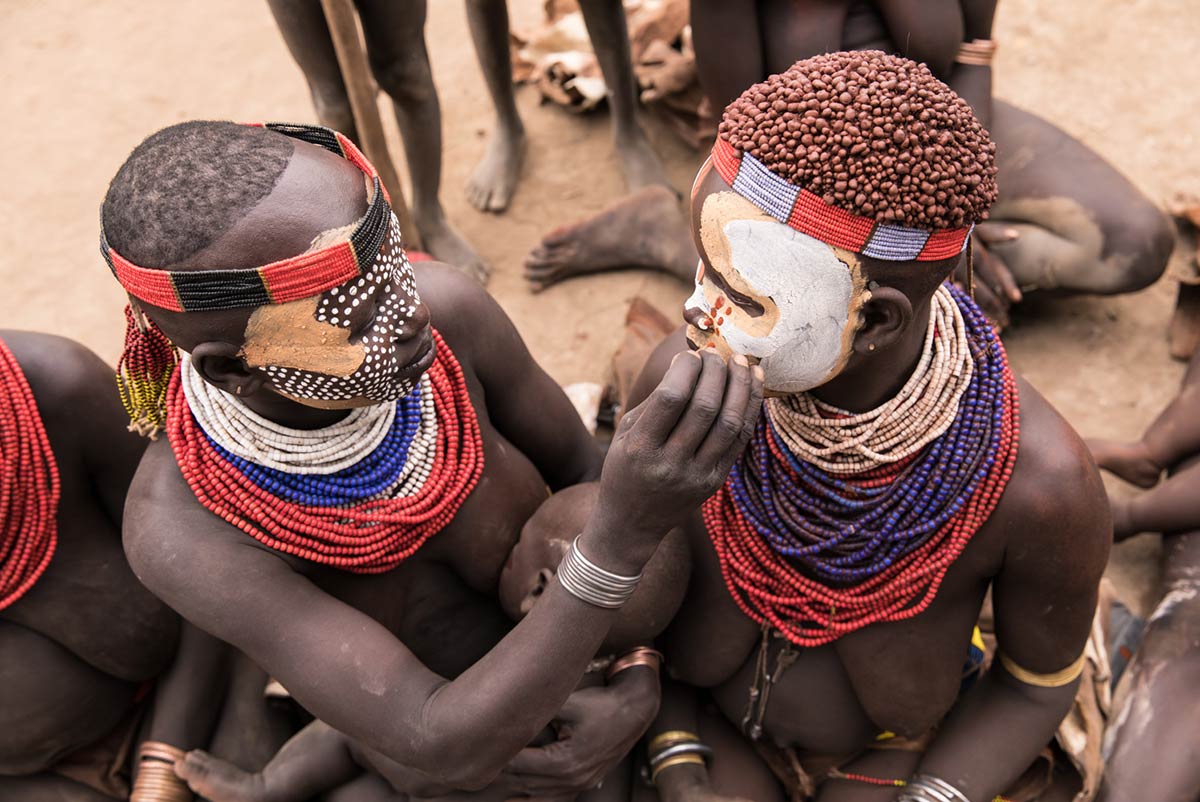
(886, 316)
(221, 366)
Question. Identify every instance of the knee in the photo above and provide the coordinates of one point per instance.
(1142, 241)
(406, 77)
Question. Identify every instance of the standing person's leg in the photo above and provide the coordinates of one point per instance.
(302, 23)
(607, 28)
(395, 33)
(729, 49)
(1156, 708)
(494, 180)
(1081, 226)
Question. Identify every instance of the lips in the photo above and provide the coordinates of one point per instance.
(423, 358)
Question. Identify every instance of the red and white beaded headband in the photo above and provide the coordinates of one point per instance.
(279, 282)
(810, 214)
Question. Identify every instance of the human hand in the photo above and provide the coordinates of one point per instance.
(996, 288)
(596, 729)
(670, 453)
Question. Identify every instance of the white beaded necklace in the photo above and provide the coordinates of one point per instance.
(841, 442)
(246, 434)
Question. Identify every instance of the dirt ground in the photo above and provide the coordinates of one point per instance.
(84, 82)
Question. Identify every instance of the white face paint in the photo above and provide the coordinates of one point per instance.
(776, 294)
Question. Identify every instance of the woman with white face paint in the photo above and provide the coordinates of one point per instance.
(854, 540)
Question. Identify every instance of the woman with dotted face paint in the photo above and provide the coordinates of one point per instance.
(347, 435)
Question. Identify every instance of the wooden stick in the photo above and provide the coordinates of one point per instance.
(360, 87)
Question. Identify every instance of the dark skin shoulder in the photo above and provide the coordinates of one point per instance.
(89, 601)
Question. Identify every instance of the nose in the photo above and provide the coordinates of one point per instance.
(698, 318)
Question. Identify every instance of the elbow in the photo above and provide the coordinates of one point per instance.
(463, 761)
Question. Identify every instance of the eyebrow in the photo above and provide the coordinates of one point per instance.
(748, 304)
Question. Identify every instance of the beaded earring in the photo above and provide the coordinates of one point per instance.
(144, 371)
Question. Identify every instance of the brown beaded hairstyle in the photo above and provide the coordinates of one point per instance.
(876, 135)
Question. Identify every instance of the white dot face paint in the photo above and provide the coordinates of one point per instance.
(774, 294)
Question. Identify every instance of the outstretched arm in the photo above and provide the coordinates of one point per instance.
(351, 672)
(1044, 599)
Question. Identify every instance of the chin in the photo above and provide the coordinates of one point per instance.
(350, 403)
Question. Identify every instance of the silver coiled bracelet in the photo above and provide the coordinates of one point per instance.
(590, 583)
(927, 788)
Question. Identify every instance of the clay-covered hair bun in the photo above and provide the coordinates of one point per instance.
(874, 134)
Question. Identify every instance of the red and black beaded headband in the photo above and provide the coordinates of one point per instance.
(279, 282)
(809, 214)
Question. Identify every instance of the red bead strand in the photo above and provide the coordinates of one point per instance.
(29, 486)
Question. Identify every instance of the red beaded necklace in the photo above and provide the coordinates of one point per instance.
(29, 486)
(370, 537)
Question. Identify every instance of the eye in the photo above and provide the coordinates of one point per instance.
(747, 304)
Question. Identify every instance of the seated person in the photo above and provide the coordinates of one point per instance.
(1156, 705)
(321, 759)
(900, 469)
(1065, 220)
(341, 484)
(80, 637)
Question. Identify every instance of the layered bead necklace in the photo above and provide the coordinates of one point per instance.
(361, 495)
(832, 521)
(29, 486)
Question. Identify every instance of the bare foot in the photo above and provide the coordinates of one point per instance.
(1130, 461)
(639, 162)
(645, 229)
(216, 780)
(495, 178)
(445, 244)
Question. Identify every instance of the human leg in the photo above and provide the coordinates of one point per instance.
(729, 52)
(645, 229)
(395, 33)
(1156, 706)
(1172, 506)
(608, 30)
(51, 702)
(790, 31)
(495, 178)
(1080, 225)
(1174, 435)
(302, 23)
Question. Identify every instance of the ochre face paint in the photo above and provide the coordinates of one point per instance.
(774, 294)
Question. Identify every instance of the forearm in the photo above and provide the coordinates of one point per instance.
(994, 733)
(189, 696)
(518, 687)
(678, 714)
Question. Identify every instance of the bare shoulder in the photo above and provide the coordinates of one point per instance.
(176, 547)
(61, 372)
(1055, 496)
(461, 310)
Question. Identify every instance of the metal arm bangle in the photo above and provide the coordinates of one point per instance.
(678, 760)
(695, 748)
(671, 737)
(592, 584)
(927, 788)
(641, 656)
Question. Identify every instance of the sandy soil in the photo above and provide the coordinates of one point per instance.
(84, 82)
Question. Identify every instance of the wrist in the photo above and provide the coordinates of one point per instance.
(619, 548)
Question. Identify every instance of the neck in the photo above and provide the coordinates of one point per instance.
(291, 414)
(879, 376)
